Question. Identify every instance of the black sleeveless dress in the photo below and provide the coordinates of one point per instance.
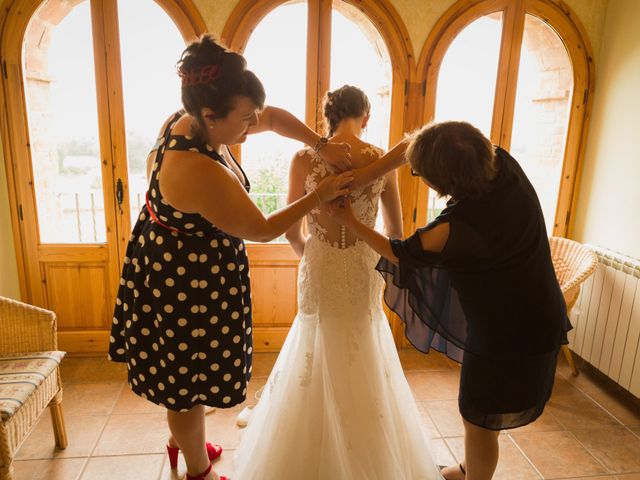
(182, 319)
(489, 300)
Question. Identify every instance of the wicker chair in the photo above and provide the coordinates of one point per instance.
(29, 377)
(573, 263)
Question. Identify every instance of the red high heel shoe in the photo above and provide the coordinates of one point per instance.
(202, 475)
(213, 452)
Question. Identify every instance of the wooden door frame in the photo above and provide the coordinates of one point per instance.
(17, 153)
(15, 140)
(248, 14)
(14, 125)
(567, 25)
(570, 30)
(110, 93)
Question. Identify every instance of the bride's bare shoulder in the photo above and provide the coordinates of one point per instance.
(304, 155)
(304, 158)
(302, 162)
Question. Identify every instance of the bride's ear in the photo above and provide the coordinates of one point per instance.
(365, 120)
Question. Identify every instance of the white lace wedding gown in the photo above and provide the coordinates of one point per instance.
(337, 405)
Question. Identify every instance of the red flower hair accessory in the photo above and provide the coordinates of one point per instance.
(206, 74)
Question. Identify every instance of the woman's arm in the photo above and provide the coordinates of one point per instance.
(391, 209)
(433, 240)
(342, 212)
(388, 162)
(191, 182)
(297, 173)
(287, 125)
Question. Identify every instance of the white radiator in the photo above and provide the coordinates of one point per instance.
(606, 319)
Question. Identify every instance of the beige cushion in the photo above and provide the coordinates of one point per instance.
(20, 375)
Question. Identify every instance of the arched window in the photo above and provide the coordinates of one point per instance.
(521, 72)
(87, 87)
(151, 88)
(283, 48)
(63, 124)
(266, 157)
(360, 57)
(300, 50)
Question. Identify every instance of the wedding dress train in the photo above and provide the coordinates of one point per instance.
(337, 404)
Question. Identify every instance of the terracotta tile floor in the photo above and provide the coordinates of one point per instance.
(590, 430)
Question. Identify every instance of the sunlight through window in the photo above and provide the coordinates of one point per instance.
(150, 83)
(359, 57)
(467, 79)
(276, 52)
(541, 119)
(467, 83)
(63, 124)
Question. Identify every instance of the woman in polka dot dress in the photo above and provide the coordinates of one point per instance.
(182, 320)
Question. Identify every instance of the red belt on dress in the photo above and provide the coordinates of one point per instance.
(154, 218)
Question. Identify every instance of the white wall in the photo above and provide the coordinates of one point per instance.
(609, 198)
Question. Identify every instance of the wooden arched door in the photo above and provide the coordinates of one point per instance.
(300, 50)
(521, 71)
(85, 94)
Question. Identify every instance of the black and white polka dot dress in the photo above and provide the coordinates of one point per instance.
(182, 320)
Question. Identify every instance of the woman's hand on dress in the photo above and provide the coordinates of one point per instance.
(341, 211)
(361, 178)
(337, 155)
(334, 186)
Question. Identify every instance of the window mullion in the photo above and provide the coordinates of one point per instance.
(104, 17)
(506, 84)
(318, 59)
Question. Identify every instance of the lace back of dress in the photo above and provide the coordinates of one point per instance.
(363, 201)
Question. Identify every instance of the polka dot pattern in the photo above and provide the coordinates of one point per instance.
(182, 318)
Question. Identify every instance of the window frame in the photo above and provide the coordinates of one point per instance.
(248, 14)
(15, 129)
(241, 23)
(573, 35)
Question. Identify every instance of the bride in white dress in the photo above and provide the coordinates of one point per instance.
(337, 405)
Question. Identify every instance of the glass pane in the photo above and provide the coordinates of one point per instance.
(541, 119)
(63, 123)
(276, 52)
(360, 57)
(151, 86)
(467, 82)
(467, 78)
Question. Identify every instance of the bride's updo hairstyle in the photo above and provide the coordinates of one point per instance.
(213, 77)
(345, 102)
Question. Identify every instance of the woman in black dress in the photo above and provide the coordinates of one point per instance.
(182, 320)
(477, 283)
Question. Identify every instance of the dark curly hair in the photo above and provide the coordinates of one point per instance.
(219, 93)
(455, 158)
(345, 102)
